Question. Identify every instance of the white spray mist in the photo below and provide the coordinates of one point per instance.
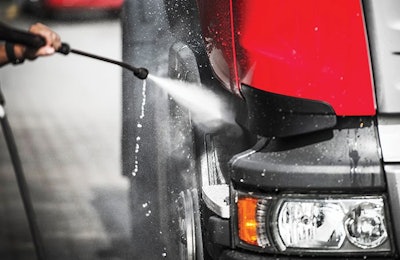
(207, 109)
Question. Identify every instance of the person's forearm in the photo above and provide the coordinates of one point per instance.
(3, 55)
(18, 52)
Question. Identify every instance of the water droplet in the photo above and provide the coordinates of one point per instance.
(145, 205)
(148, 213)
(316, 28)
(136, 167)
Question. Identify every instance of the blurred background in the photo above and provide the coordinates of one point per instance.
(65, 113)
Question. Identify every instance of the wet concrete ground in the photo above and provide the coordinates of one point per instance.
(65, 114)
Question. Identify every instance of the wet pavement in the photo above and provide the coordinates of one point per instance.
(65, 114)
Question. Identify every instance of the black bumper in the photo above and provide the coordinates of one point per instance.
(236, 255)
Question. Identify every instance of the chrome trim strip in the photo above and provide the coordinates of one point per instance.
(216, 197)
(383, 19)
(393, 180)
(389, 135)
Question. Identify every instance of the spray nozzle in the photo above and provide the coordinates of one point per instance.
(64, 49)
(141, 73)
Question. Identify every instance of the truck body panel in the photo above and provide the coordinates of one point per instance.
(315, 50)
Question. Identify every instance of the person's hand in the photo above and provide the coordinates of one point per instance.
(53, 43)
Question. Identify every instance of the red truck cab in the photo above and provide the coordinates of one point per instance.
(312, 171)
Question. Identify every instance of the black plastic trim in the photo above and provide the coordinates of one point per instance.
(219, 231)
(339, 160)
(278, 115)
(238, 255)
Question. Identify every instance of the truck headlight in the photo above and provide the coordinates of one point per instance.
(320, 223)
(365, 225)
(311, 224)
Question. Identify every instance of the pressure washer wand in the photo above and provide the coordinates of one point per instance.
(141, 73)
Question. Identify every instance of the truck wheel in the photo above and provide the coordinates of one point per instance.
(181, 215)
(189, 225)
(144, 37)
(164, 182)
(157, 143)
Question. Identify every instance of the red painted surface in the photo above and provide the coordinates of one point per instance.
(216, 23)
(112, 4)
(302, 48)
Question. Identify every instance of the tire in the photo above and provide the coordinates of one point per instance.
(164, 185)
(145, 37)
(183, 222)
(158, 156)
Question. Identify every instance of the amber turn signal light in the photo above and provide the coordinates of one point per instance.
(247, 222)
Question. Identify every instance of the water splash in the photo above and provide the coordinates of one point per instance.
(139, 126)
(143, 99)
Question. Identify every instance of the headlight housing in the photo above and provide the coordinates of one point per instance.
(302, 224)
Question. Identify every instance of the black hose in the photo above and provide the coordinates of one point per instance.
(22, 185)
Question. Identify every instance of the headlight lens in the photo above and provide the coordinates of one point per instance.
(365, 225)
(311, 224)
(320, 223)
